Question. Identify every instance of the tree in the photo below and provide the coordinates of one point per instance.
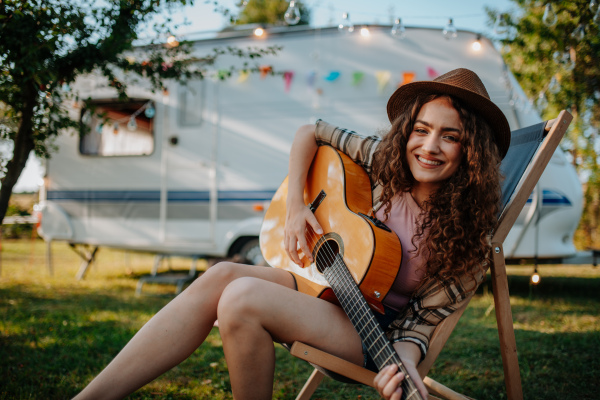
(553, 49)
(46, 44)
(270, 12)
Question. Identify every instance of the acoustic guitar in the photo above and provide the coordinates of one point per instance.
(357, 257)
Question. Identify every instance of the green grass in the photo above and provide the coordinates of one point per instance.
(57, 333)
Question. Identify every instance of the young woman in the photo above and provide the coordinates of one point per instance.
(435, 183)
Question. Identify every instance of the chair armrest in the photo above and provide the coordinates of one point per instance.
(333, 363)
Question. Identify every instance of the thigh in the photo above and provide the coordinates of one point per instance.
(291, 316)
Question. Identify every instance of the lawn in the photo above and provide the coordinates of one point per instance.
(57, 333)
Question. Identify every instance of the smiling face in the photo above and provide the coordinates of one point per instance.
(434, 149)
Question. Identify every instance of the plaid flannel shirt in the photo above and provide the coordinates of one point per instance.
(433, 301)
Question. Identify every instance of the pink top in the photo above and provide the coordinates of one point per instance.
(403, 220)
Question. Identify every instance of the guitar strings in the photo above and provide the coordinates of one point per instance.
(330, 255)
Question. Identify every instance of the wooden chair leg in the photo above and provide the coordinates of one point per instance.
(311, 385)
(506, 333)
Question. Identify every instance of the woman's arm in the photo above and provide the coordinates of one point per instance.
(302, 153)
(388, 379)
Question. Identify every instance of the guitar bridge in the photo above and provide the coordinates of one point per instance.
(317, 201)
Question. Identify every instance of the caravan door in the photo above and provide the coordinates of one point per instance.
(188, 189)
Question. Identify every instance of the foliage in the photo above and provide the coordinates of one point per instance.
(46, 44)
(557, 63)
(270, 12)
(57, 333)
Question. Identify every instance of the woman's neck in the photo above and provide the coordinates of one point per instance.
(420, 192)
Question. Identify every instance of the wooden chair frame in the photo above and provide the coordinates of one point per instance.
(556, 129)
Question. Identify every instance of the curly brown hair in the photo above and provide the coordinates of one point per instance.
(461, 214)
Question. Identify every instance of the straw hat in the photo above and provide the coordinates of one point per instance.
(465, 85)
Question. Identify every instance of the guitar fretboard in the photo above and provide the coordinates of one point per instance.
(363, 319)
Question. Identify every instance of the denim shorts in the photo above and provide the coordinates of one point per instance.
(384, 321)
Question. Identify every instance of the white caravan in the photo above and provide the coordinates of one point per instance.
(190, 170)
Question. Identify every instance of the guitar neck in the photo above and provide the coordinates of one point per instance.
(365, 323)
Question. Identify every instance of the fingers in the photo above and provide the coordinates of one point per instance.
(299, 239)
(387, 382)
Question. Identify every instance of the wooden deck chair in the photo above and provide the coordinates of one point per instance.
(530, 151)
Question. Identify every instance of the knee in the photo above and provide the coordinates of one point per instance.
(239, 304)
(219, 275)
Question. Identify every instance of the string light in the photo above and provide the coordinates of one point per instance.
(398, 30)
(132, 124)
(172, 41)
(364, 32)
(549, 17)
(259, 32)
(535, 278)
(501, 26)
(449, 30)
(476, 46)
(346, 25)
(292, 14)
(579, 32)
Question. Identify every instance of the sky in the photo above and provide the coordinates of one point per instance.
(201, 18)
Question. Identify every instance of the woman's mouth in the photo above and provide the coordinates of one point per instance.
(428, 162)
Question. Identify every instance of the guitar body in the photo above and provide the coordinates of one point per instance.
(372, 254)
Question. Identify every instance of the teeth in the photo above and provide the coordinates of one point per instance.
(430, 162)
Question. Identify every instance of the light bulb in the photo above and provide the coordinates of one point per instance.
(579, 33)
(593, 6)
(535, 278)
(501, 26)
(132, 124)
(398, 30)
(259, 32)
(346, 25)
(364, 32)
(149, 112)
(549, 17)
(449, 30)
(476, 46)
(596, 18)
(292, 14)
(172, 41)
(86, 117)
(554, 85)
(541, 102)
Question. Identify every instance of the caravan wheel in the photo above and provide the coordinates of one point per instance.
(250, 252)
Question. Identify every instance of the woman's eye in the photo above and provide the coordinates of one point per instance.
(452, 138)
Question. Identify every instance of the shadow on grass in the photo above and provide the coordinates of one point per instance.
(52, 344)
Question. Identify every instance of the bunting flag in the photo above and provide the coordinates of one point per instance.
(432, 73)
(287, 78)
(333, 75)
(407, 77)
(357, 78)
(265, 70)
(383, 77)
(310, 78)
(243, 76)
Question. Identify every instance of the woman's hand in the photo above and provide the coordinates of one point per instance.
(298, 217)
(388, 380)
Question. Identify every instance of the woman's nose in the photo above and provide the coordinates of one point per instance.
(432, 143)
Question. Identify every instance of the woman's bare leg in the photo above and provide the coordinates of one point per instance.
(174, 332)
(253, 313)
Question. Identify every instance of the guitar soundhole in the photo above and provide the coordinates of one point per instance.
(326, 253)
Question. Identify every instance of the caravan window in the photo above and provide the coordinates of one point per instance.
(117, 128)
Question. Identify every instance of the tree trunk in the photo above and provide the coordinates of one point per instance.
(23, 144)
